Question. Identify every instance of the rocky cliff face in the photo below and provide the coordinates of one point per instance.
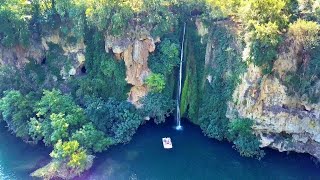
(134, 49)
(283, 122)
(73, 51)
(19, 56)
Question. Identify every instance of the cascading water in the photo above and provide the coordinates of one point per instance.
(178, 118)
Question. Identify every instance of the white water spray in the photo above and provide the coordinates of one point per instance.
(178, 118)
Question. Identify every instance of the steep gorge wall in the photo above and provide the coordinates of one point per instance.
(282, 120)
(133, 48)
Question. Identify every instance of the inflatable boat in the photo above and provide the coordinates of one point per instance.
(167, 144)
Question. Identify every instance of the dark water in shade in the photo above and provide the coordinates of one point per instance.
(18, 159)
(194, 157)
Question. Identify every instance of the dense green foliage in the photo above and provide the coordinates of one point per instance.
(16, 111)
(57, 116)
(119, 120)
(194, 72)
(72, 153)
(165, 58)
(245, 142)
(91, 138)
(105, 76)
(14, 17)
(66, 120)
(157, 106)
(58, 121)
(156, 82)
(225, 70)
(163, 63)
(265, 19)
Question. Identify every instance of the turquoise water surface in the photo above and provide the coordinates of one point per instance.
(18, 159)
(193, 157)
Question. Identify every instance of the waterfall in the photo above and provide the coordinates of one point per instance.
(178, 116)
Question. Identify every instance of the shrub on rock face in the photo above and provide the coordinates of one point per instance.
(240, 132)
(156, 82)
(265, 40)
(304, 43)
(71, 153)
(157, 106)
(304, 33)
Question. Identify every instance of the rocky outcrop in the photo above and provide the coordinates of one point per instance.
(18, 55)
(74, 51)
(134, 49)
(282, 122)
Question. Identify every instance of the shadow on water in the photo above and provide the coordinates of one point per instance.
(193, 156)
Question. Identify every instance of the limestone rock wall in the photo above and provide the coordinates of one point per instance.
(134, 49)
(73, 51)
(19, 56)
(282, 122)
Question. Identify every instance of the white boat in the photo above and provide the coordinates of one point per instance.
(167, 144)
